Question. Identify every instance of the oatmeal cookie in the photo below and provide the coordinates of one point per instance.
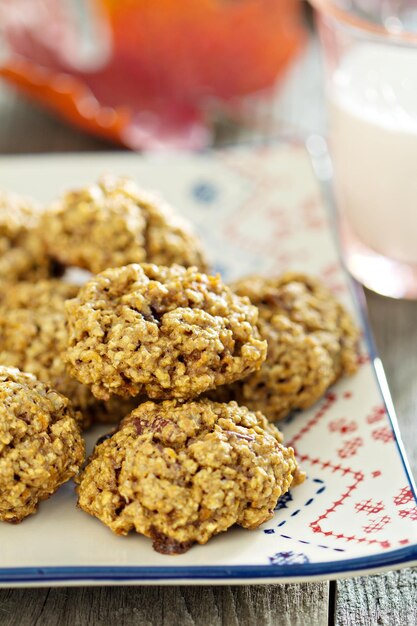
(181, 473)
(312, 341)
(22, 253)
(33, 336)
(40, 443)
(114, 223)
(165, 332)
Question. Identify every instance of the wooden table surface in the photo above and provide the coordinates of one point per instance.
(386, 600)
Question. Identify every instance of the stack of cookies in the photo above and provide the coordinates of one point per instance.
(191, 371)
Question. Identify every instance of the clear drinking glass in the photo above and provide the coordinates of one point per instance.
(370, 58)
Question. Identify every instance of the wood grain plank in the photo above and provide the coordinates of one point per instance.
(271, 605)
(26, 128)
(378, 600)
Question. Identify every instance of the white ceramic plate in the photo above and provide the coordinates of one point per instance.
(257, 210)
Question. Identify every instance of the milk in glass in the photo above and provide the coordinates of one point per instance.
(373, 109)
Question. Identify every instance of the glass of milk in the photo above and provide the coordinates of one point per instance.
(370, 57)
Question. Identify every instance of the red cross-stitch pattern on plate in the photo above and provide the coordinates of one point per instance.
(350, 447)
(377, 524)
(269, 215)
(354, 479)
(369, 507)
(329, 400)
(404, 496)
(343, 426)
(383, 434)
(378, 414)
(410, 513)
(363, 520)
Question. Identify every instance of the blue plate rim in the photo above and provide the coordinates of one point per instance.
(141, 574)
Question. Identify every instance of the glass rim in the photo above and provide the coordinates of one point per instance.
(329, 8)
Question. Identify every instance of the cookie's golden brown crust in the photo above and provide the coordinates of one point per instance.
(159, 331)
(114, 223)
(181, 473)
(40, 443)
(312, 341)
(33, 336)
(22, 252)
